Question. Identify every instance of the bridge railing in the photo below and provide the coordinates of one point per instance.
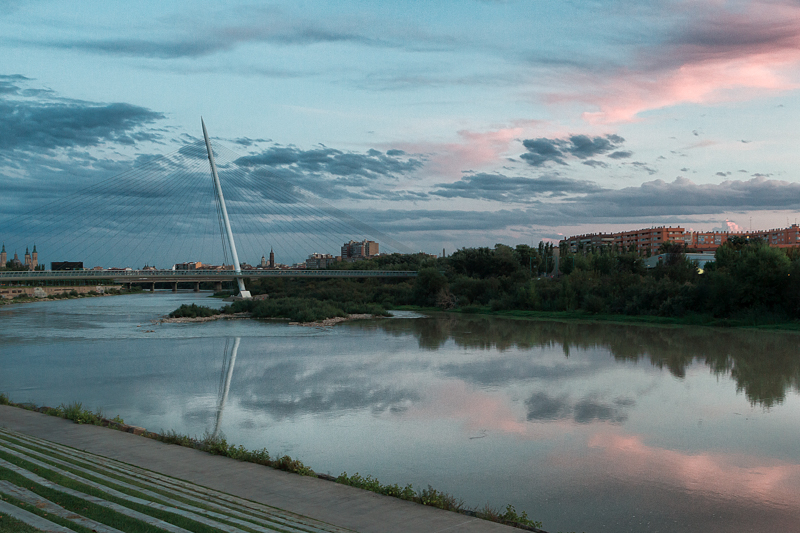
(134, 275)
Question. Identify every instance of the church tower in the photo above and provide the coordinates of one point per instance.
(263, 262)
(34, 258)
(271, 258)
(28, 259)
(3, 257)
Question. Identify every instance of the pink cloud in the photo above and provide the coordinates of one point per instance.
(473, 151)
(723, 55)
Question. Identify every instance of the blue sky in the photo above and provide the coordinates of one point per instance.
(445, 124)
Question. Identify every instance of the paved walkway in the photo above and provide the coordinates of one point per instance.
(335, 504)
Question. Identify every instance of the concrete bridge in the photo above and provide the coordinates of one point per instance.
(151, 277)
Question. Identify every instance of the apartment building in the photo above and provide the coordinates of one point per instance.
(590, 240)
(318, 261)
(354, 250)
(648, 239)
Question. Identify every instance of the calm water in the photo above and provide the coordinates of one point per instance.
(587, 427)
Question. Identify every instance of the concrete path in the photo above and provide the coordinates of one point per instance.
(339, 505)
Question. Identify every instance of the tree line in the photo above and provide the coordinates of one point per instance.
(748, 281)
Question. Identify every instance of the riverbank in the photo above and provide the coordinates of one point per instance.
(329, 500)
(644, 320)
(57, 293)
(232, 316)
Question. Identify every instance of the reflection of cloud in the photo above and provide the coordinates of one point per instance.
(477, 410)
(747, 479)
(542, 406)
(287, 389)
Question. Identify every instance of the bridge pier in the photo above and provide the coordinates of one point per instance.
(153, 287)
(197, 287)
(175, 287)
(217, 286)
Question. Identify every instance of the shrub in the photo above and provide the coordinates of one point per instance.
(193, 311)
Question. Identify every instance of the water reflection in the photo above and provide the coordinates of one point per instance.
(566, 421)
(765, 365)
(228, 362)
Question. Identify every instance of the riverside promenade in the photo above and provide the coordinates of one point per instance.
(327, 506)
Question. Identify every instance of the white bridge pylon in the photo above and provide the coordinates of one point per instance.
(236, 266)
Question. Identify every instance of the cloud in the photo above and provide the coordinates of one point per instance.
(502, 188)
(543, 150)
(621, 154)
(474, 150)
(258, 24)
(31, 122)
(638, 165)
(707, 53)
(332, 161)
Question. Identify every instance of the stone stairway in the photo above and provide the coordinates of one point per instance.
(56, 488)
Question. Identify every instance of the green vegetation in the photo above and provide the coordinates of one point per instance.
(193, 311)
(216, 445)
(749, 284)
(435, 498)
(12, 525)
(303, 309)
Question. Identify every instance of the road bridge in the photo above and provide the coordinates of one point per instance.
(150, 277)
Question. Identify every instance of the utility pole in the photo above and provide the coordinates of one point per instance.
(236, 267)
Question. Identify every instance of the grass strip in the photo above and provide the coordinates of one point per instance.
(254, 509)
(219, 446)
(43, 514)
(53, 509)
(106, 509)
(76, 467)
(124, 491)
(12, 525)
(127, 496)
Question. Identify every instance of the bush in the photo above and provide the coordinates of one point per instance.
(193, 311)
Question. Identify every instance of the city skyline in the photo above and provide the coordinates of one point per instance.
(445, 124)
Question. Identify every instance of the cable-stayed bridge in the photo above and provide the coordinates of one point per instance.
(171, 210)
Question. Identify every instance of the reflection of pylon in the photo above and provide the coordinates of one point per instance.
(227, 386)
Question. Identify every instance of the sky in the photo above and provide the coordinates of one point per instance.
(443, 124)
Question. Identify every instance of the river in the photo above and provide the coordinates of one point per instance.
(587, 427)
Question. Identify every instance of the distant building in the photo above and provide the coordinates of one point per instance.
(192, 265)
(700, 258)
(66, 265)
(354, 251)
(644, 240)
(3, 257)
(590, 240)
(647, 240)
(319, 261)
(271, 263)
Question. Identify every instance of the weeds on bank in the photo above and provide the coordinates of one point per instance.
(435, 498)
(218, 445)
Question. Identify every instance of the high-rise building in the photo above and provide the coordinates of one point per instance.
(353, 250)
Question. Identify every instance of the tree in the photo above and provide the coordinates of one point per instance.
(427, 286)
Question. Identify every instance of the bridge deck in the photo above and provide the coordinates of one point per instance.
(134, 276)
